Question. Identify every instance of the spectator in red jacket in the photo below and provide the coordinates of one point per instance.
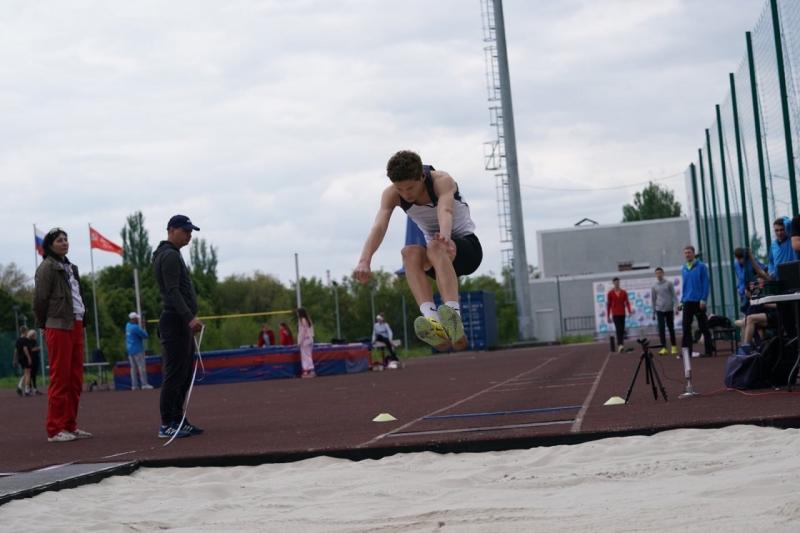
(266, 337)
(616, 303)
(285, 335)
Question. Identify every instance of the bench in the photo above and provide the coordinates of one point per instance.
(380, 345)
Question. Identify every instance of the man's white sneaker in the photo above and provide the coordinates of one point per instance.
(81, 434)
(147, 387)
(62, 436)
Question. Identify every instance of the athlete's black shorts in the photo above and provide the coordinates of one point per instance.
(469, 255)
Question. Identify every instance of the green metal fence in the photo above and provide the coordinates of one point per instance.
(743, 176)
(8, 340)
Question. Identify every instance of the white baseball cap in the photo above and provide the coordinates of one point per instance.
(133, 314)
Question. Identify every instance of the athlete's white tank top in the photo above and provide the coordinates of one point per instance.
(425, 215)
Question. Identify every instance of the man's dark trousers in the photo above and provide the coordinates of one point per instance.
(619, 327)
(666, 320)
(177, 354)
(690, 311)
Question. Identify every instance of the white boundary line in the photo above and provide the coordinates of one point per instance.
(459, 402)
(576, 427)
(481, 428)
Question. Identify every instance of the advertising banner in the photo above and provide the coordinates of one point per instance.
(640, 297)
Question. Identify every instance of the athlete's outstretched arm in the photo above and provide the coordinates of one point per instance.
(389, 200)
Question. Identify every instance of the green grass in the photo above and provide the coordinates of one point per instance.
(10, 382)
(576, 339)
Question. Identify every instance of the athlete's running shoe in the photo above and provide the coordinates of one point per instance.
(430, 331)
(451, 321)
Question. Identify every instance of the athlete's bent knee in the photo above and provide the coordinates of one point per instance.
(412, 254)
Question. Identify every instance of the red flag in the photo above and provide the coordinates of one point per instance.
(101, 243)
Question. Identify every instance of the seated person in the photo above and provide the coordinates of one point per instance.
(749, 271)
(764, 317)
(266, 337)
(381, 332)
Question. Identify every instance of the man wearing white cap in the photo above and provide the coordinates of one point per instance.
(134, 341)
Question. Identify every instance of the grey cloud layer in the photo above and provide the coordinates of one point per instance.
(270, 122)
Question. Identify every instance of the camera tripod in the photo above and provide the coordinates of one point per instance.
(650, 372)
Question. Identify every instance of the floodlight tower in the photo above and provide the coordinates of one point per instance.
(500, 156)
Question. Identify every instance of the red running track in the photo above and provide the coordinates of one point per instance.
(449, 403)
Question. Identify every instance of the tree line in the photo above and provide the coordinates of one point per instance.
(257, 292)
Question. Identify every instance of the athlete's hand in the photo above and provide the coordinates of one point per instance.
(362, 272)
(449, 244)
(195, 325)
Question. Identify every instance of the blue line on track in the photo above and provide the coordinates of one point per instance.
(505, 413)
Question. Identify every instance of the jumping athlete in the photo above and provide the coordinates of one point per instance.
(432, 200)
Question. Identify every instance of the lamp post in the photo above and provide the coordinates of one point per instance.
(336, 305)
(16, 317)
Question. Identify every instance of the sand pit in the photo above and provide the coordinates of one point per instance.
(740, 478)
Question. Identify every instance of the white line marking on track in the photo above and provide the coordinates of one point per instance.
(53, 467)
(118, 454)
(576, 427)
(459, 402)
(481, 428)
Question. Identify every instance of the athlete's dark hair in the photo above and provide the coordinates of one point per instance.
(403, 166)
(659, 269)
(779, 222)
(689, 247)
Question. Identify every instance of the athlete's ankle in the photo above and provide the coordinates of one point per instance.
(428, 310)
(454, 306)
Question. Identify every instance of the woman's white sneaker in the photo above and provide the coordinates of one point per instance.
(62, 436)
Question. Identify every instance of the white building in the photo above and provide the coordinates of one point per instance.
(573, 260)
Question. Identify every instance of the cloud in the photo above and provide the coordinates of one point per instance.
(270, 122)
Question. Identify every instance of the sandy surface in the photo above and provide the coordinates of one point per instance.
(740, 478)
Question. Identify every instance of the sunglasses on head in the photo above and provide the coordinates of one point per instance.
(55, 231)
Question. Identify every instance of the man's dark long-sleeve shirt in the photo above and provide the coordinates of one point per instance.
(174, 281)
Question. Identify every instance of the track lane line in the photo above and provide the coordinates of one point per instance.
(459, 402)
(482, 428)
(576, 427)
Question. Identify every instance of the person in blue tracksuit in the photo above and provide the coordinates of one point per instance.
(780, 249)
(696, 284)
(134, 344)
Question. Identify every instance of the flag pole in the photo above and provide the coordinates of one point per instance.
(35, 251)
(39, 335)
(138, 298)
(94, 291)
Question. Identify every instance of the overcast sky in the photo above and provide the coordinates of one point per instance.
(269, 122)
